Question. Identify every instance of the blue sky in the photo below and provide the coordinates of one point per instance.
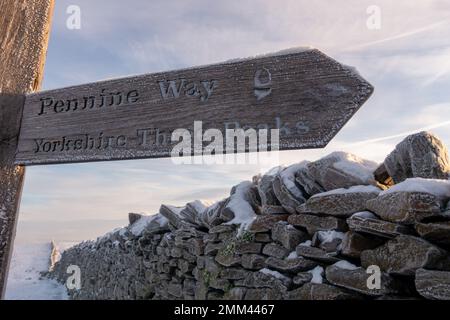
(407, 60)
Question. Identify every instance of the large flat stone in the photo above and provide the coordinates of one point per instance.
(261, 279)
(265, 189)
(286, 190)
(313, 223)
(356, 279)
(437, 232)
(341, 202)
(354, 243)
(262, 294)
(294, 265)
(287, 235)
(253, 261)
(320, 291)
(404, 255)
(329, 240)
(264, 223)
(405, 207)
(316, 254)
(370, 224)
(433, 284)
(336, 170)
(418, 155)
(275, 250)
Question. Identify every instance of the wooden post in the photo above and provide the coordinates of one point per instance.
(24, 33)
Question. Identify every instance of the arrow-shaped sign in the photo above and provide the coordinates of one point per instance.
(304, 94)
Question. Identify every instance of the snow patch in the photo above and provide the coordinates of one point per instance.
(272, 273)
(307, 243)
(343, 264)
(25, 281)
(365, 215)
(293, 255)
(139, 226)
(200, 206)
(437, 187)
(287, 175)
(274, 171)
(317, 274)
(243, 211)
(329, 235)
(354, 165)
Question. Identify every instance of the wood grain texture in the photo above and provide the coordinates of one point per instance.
(24, 31)
(306, 94)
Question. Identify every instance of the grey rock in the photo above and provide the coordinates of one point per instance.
(357, 280)
(436, 232)
(253, 261)
(158, 225)
(418, 155)
(267, 210)
(237, 293)
(212, 248)
(339, 204)
(234, 273)
(173, 215)
(370, 224)
(175, 289)
(243, 192)
(227, 259)
(248, 247)
(316, 254)
(405, 207)
(260, 279)
(329, 241)
(212, 267)
(264, 223)
(214, 295)
(222, 228)
(265, 189)
(330, 173)
(404, 255)
(193, 246)
(287, 192)
(219, 284)
(313, 223)
(262, 294)
(275, 250)
(302, 278)
(133, 217)
(354, 243)
(263, 237)
(214, 215)
(287, 235)
(294, 265)
(433, 284)
(320, 291)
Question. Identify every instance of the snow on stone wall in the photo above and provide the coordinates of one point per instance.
(309, 231)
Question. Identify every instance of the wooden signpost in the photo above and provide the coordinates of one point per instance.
(24, 32)
(303, 93)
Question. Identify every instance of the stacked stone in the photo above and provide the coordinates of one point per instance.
(337, 228)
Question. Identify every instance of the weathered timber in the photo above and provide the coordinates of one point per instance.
(305, 94)
(24, 31)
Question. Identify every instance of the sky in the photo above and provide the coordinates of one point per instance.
(406, 59)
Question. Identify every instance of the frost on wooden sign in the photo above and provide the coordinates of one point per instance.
(303, 93)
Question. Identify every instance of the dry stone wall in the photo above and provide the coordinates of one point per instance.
(337, 228)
